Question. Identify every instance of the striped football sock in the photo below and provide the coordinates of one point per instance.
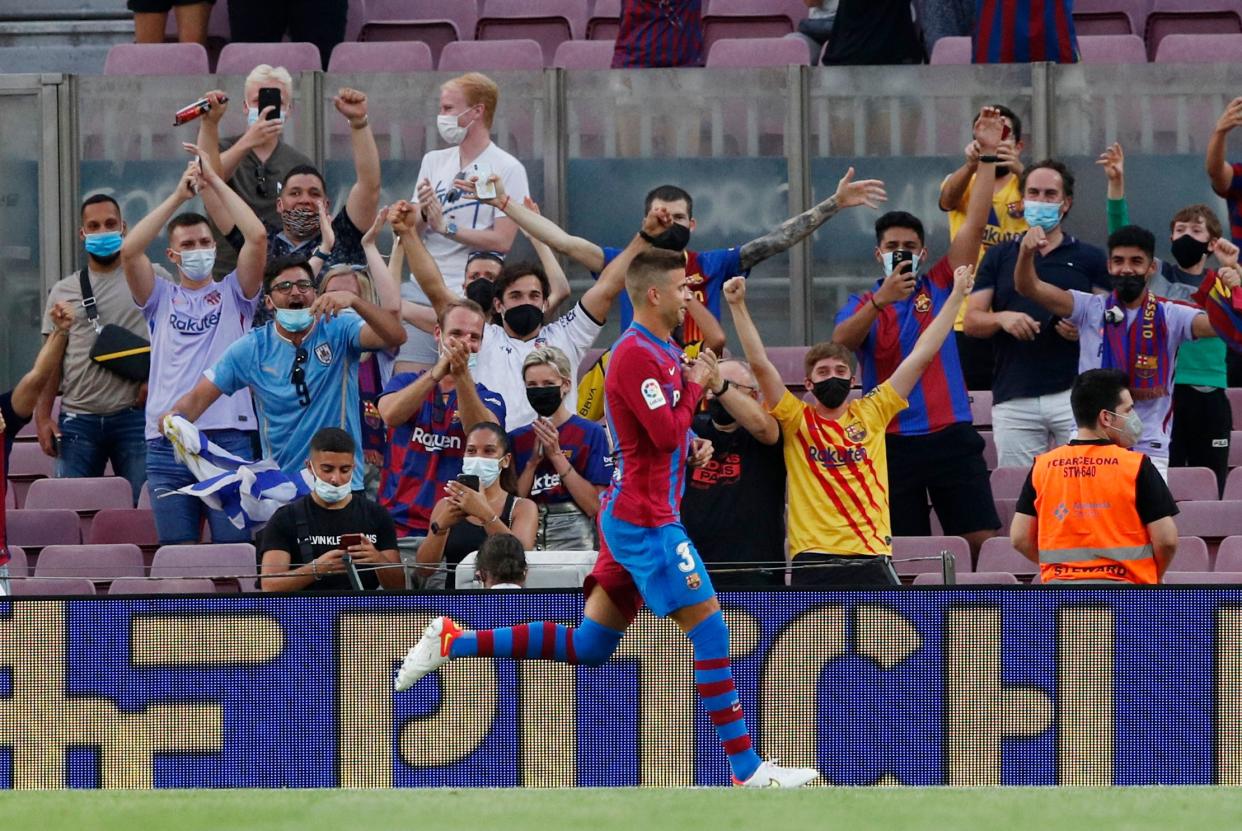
(714, 679)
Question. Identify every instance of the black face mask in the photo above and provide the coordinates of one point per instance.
(523, 319)
(1129, 289)
(676, 238)
(831, 392)
(481, 291)
(544, 400)
(1188, 251)
(718, 413)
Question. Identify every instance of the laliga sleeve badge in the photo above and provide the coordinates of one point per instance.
(653, 394)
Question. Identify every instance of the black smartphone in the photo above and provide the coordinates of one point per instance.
(903, 256)
(468, 480)
(270, 97)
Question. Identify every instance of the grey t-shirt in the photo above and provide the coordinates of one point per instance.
(85, 386)
(258, 183)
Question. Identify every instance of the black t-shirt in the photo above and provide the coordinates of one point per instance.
(360, 516)
(734, 507)
(1151, 495)
(873, 32)
(1049, 363)
(12, 424)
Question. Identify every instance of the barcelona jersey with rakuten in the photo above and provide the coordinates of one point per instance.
(939, 399)
(649, 407)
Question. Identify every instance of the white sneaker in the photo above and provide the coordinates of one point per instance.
(429, 654)
(772, 775)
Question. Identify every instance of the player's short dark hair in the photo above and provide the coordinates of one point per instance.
(1009, 114)
(668, 193)
(1060, 167)
(1133, 236)
(97, 198)
(512, 272)
(650, 268)
(304, 170)
(503, 558)
(899, 219)
(508, 479)
(333, 440)
(1096, 390)
(279, 265)
(188, 219)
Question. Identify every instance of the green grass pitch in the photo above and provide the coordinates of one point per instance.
(849, 809)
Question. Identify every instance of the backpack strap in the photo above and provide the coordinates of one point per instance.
(88, 300)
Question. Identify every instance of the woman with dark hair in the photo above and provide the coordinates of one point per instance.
(463, 519)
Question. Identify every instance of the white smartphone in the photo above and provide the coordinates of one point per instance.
(483, 187)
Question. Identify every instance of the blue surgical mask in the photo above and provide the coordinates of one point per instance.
(331, 493)
(252, 116)
(488, 470)
(1046, 215)
(198, 263)
(472, 361)
(103, 245)
(887, 257)
(294, 320)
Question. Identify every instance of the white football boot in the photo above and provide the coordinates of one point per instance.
(772, 775)
(429, 654)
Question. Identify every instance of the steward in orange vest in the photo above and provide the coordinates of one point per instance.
(1094, 509)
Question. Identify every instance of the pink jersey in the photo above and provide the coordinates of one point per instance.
(649, 407)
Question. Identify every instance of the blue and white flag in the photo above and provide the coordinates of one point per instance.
(247, 492)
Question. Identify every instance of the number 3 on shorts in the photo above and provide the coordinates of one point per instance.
(685, 558)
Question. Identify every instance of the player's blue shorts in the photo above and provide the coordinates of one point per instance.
(663, 562)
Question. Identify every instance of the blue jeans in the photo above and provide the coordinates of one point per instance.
(179, 518)
(89, 442)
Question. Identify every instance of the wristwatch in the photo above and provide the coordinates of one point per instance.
(435, 528)
(990, 158)
(321, 254)
(451, 229)
(723, 388)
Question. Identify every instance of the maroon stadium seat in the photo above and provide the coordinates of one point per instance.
(162, 585)
(750, 19)
(135, 525)
(17, 561)
(1106, 49)
(547, 22)
(156, 59)
(1110, 17)
(1233, 485)
(51, 586)
(951, 51)
(1235, 448)
(496, 55)
(605, 20)
(1235, 403)
(433, 22)
(1229, 554)
(989, 448)
(27, 464)
(906, 547)
(33, 528)
(1193, 483)
(390, 56)
(970, 578)
(981, 408)
(1191, 17)
(10, 499)
(584, 54)
(1192, 555)
(998, 555)
(223, 562)
(1202, 577)
(790, 362)
(87, 496)
(1211, 520)
(1225, 48)
(1007, 482)
(757, 52)
(240, 58)
(101, 563)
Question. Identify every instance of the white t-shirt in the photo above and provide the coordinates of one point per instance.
(500, 360)
(190, 330)
(441, 167)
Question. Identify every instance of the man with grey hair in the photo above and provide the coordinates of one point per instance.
(740, 493)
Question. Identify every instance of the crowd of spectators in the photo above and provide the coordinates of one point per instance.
(442, 413)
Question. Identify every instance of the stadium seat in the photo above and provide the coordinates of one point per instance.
(390, 56)
(34, 529)
(1175, 48)
(51, 586)
(605, 20)
(790, 362)
(971, 578)
(240, 58)
(86, 496)
(226, 563)
(547, 22)
(998, 555)
(144, 496)
(989, 448)
(1193, 483)
(101, 563)
(1007, 482)
(156, 59)
(17, 561)
(434, 22)
(904, 548)
(1202, 577)
(1112, 49)
(546, 569)
(1235, 448)
(1210, 520)
(1191, 17)
(30, 431)
(10, 500)
(952, 51)
(584, 54)
(136, 525)
(1233, 484)
(981, 407)
(747, 19)
(1229, 554)
(794, 10)
(1192, 555)
(469, 55)
(1110, 17)
(27, 464)
(162, 585)
(1234, 394)
(733, 53)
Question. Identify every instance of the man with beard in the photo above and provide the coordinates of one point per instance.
(1130, 330)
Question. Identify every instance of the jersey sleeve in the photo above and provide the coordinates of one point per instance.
(1235, 184)
(279, 535)
(158, 289)
(941, 274)
(1082, 307)
(720, 264)
(231, 372)
(494, 401)
(523, 447)
(1152, 497)
(517, 187)
(594, 467)
(640, 384)
(248, 305)
(852, 304)
(880, 406)
(610, 254)
(347, 331)
(383, 526)
(575, 331)
(399, 382)
(1026, 499)
(1180, 319)
(788, 411)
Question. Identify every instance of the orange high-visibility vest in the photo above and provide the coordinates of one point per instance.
(1089, 526)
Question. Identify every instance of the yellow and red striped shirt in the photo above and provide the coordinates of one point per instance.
(838, 474)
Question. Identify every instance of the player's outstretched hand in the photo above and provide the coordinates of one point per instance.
(869, 192)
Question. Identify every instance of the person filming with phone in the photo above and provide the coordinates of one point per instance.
(333, 539)
(481, 502)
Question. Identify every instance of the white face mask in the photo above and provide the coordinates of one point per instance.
(198, 263)
(329, 492)
(488, 470)
(450, 130)
(888, 263)
(252, 117)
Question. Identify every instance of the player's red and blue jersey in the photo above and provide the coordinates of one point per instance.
(425, 453)
(659, 33)
(1024, 31)
(939, 399)
(707, 271)
(584, 444)
(1233, 199)
(649, 407)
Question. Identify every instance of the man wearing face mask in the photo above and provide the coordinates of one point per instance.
(427, 414)
(101, 417)
(301, 367)
(450, 220)
(192, 324)
(1093, 510)
(1036, 355)
(1131, 329)
(315, 542)
(739, 495)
